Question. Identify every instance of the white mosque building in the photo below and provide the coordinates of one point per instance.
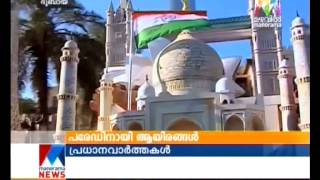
(188, 86)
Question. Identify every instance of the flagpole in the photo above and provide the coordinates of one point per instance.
(130, 65)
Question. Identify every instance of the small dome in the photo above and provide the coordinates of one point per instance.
(106, 76)
(224, 85)
(298, 21)
(71, 44)
(286, 64)
(188, 65)
(227, 85)
(145, 90)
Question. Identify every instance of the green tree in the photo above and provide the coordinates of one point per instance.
(43, 32)
(27, 106)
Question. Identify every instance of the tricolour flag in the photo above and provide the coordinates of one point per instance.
(148, 26)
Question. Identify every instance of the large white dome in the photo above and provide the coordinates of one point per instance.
(188, 65)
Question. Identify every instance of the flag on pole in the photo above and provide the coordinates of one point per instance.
(148, 26)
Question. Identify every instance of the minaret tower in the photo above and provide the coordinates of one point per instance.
(66, 113)
(109, 33)
(106, 101)
(264, 55)
(128, 27)
(106, 98)
(300, 44)
(67, 87)
(288, 107)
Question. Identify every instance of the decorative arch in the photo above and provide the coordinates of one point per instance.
(115, 128)
(183, 124)
(234, 123)
(257, 124)
(135, 126)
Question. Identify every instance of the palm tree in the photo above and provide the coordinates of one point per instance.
(43, 33)
(14, 68)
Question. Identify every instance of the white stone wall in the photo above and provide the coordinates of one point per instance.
(162, 112)
(272, 117)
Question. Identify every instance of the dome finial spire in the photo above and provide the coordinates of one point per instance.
(185, 5)
(72, 36)
(297, 13)
(110, 7)
(129, 5)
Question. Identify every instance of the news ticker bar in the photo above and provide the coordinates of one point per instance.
(187, 137)
(186, 150)
(25, 164)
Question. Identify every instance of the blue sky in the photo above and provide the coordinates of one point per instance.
(218, 9)
(215, 9)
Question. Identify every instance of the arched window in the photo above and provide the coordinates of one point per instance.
(123, 87)
(184, 124)
(135, 88)
(234, 123)
(135, 126)
(224, 101)
(115, 128)
(257, 124)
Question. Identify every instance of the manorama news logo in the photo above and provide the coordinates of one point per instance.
(51, 161)
(267, 13)
(47, 3)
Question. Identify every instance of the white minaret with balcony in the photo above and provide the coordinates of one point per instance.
(288, 107)
(264, 48)
(68, 87)
(300, 34)
(106, 98)
(106, 102)
(66, 113)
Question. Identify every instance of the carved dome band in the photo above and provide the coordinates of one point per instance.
(304, 126)
(288, 107)
(66, 96)
(300, 37)
(302, 80)
(69, 59)
(101, 119)
(284, 76)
